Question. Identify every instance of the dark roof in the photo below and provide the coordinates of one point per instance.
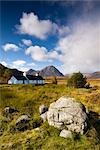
(31, 77)
(20, 77)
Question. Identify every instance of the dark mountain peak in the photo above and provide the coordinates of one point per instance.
(31, 72)
(50, 71)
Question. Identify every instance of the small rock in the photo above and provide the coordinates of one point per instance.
(37, 129)
(43, 109)
(44, 116)
(21, 123)
(9, 110)
(23, 119)
(66, 134)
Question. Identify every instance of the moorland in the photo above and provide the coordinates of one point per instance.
(27, 99)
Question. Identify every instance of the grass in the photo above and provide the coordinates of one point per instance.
(27, 99)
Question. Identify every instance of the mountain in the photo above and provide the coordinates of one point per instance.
(95, 75)
(31, 72)
(46, 72)
(50, 71)
(6, 73)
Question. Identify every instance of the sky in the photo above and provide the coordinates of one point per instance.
(36, 34)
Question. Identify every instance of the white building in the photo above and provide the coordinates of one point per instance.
(26, 79)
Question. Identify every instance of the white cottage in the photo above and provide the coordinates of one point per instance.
(34, 79)
(17, 80)
(27, 79)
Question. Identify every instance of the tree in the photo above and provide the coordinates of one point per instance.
(54, 80)
(77, 80)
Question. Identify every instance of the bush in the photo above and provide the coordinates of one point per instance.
(77, 80)
(54, 80)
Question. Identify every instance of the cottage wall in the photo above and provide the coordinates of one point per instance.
(40, 81)
(13, 80)
(32, 81)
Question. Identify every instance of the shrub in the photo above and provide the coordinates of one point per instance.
(54, 80)
(77, 80)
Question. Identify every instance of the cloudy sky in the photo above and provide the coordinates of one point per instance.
(65, 34)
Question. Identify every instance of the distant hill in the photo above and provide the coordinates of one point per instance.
(6, 73)
(46, 72)
(95, 75)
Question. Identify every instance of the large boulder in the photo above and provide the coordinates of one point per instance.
(69, 113)
(43, 109)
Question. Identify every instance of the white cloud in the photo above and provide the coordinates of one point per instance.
(19, 62)
(63, 30)
(31, 25)
(37, 53)
(22, 65)
(41, 53)
(4, 63)
(10, 46)
(81, 49)
(27, 42)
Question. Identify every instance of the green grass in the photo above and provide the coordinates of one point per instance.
(27, 99)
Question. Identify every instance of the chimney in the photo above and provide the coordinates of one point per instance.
(24, 74)
(37, 74)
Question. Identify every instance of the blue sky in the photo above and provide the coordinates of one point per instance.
(65, 34)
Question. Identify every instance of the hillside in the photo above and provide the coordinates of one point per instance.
(6, 73)
(47, 72)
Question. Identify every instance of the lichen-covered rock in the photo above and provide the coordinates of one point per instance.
(22, 122)
(66, 134)
(67, 112)
(43, 109)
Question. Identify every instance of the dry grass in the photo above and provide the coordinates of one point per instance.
(28, 98)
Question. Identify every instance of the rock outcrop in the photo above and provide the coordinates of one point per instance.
(69, 113)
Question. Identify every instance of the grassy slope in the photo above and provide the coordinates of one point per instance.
(27, 99)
